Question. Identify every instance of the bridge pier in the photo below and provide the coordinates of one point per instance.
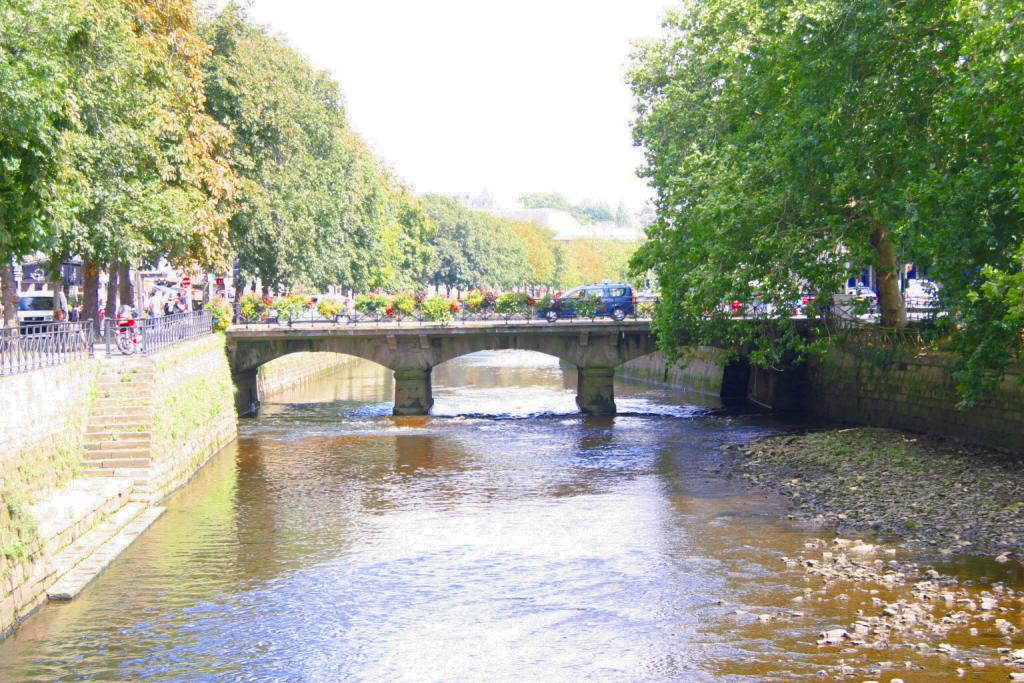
(246, 395)
(595, 390)
(413, 392)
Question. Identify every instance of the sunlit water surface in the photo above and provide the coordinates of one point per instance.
(503, 538)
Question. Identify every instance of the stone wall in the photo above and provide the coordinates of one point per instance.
(194, 411)
(911, 392)
(295, 368)
(42, 428)
(701, 371)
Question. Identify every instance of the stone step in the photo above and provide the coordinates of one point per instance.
(120, 444)
(86, 561)
(125, 421)
(93, 456)
(118, 431)
(138, 475)
(119, 463)
(114, 388)
(122, 398)
(121, 411)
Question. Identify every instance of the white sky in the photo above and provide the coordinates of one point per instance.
(466, 95)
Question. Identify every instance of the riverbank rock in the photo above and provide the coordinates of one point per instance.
(950, 497)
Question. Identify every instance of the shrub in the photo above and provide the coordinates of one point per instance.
(645, 309)
(588, 306)
(221, 310)
(251, 307)
(490, 299)
(290, 307)
(543, 303)
(404, 303)
(372, 303)
(512, 303)
(437, 309)
(328, 308)
(475, 300)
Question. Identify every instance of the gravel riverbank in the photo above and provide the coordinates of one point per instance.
(949, 496)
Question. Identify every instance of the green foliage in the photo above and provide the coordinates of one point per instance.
(475, 300)
(792, 143)
(587, 307)
(404, 303)
(645, 309)
(221, 310)
(315, 207)
(513, 303)
(251, 307)
(437, 309)
(290, 307)
(371, 303)
(328, 308)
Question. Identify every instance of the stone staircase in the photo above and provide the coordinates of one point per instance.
(118, 437)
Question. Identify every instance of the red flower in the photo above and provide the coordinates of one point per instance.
(390, 311)
(455, 308)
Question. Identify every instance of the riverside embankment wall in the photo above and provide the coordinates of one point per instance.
(42, 428)
(56, 516)
(194, 411)
(900, 389)
(915, 392)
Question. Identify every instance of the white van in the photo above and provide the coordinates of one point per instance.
(35, 307)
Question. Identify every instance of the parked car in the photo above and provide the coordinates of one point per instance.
(35, 307)
(617, 301)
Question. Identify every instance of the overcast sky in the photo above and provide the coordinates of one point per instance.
(463, 95)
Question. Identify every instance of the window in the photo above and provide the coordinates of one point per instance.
(617, 292)
(35, 303)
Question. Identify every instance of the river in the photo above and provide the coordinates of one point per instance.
(503, 538)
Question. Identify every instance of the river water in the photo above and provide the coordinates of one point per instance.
(503, 538)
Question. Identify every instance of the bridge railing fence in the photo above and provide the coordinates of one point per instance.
(42, 345)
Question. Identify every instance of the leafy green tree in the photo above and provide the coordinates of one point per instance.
(782, 139)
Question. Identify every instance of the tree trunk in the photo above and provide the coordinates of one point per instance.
(9, 294)
(90, 291)
(57, 287)
(110, 309)
(124, 284)
(890, 299)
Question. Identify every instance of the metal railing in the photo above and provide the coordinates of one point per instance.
(159, 333)
(42, 345)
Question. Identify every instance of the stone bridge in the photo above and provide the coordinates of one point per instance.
(411, 351)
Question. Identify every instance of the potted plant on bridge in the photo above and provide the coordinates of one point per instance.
(329, 308)
(588, 306)
(512, 304)
(403, 305)
(437, 309)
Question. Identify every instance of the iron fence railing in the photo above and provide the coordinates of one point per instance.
(159, 333)
(42, 345)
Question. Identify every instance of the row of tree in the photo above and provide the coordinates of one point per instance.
(474, 249)
(792, 143)
(132, 131)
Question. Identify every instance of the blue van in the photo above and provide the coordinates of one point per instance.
(617, 301)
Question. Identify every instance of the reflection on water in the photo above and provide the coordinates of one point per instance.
(335, 542)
